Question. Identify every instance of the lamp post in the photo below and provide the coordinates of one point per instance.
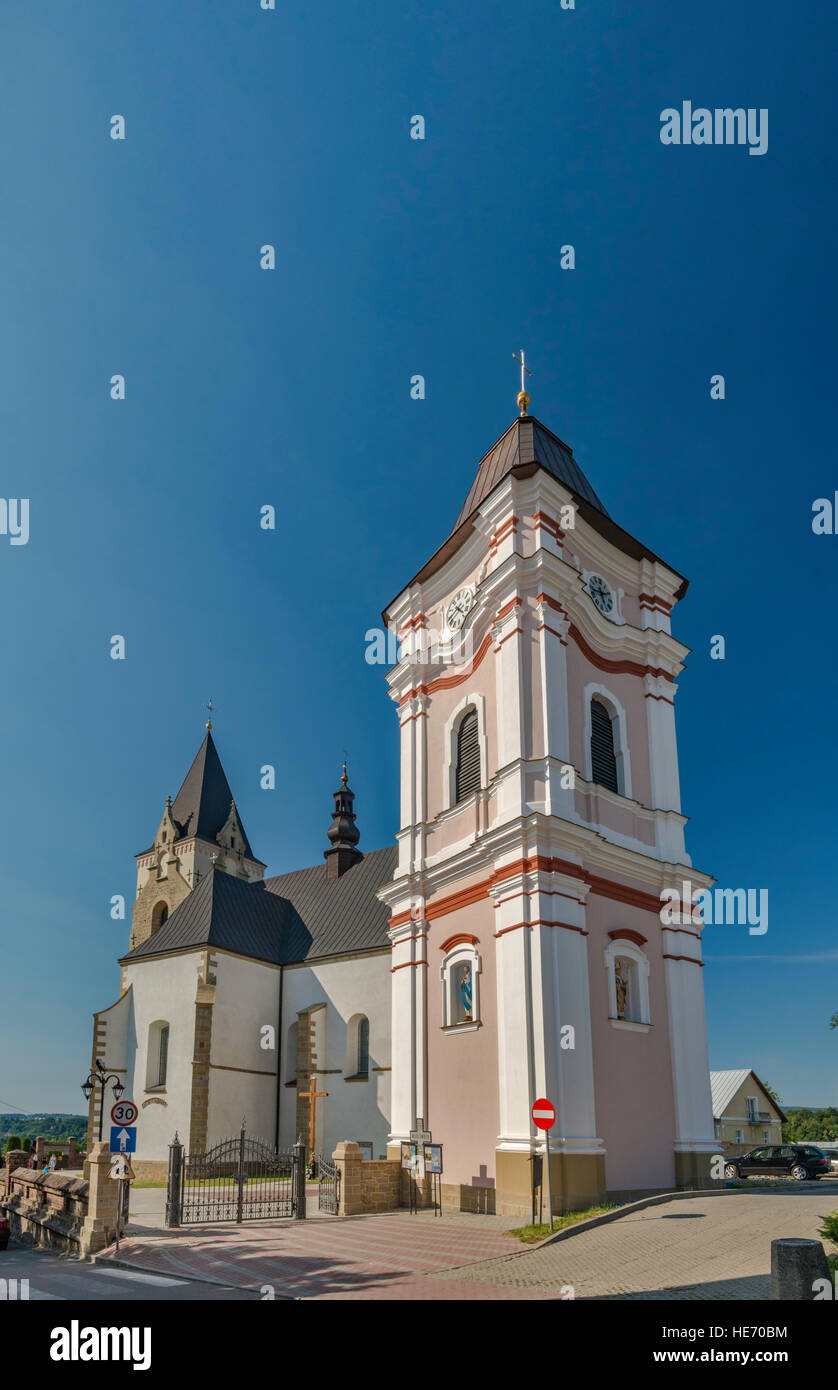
(99, 1077)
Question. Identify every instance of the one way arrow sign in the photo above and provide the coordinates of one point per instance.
(123, 1139)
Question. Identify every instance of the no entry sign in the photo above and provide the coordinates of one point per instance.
(543, 1114)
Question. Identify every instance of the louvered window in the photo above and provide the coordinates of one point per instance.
(364, 1047)
(603, 758)
(468, 756)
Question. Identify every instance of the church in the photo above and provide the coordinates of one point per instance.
(509, 945)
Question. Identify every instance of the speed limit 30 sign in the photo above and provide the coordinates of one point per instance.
(124, 1112)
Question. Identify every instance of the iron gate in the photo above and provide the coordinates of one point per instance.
(240, 1179)
(328, 1185)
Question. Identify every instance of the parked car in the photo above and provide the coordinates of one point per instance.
(5, 1232)
(799, 1161)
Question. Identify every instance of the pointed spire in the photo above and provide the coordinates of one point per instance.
(343, 833)
(202, 806)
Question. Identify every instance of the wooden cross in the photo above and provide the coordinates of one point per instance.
(312, 1095)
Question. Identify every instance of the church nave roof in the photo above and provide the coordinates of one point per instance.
(293, 917)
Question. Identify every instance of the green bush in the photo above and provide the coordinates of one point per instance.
(13, 1142)
(829, 1229)
(26, 1143)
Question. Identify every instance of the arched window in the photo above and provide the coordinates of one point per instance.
(468, 756)
(159, 914)
(157, 1059)
(358, 1048)
(460, 975)
(603, 753)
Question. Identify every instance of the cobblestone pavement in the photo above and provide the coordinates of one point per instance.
(716, 1247)
(713, 1248)
(390, 1256)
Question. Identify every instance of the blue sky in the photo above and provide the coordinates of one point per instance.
(291, 387)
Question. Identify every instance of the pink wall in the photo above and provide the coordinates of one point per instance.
(635, 1106)
(463, 1067)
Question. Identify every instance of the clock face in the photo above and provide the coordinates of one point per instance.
(600, 593)
(458, 609)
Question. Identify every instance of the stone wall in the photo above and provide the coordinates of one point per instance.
(59, 1210)
(45, 1208)
(366, 1184)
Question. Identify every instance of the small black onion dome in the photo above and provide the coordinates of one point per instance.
(343, 832)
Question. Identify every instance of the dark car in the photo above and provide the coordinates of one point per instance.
(5, 1232)
(799, 1161)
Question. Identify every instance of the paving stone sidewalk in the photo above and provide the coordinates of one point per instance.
(702, 1248)
(716, 1247)
(391, 1256)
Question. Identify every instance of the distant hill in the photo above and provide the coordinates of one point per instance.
(51, 1126)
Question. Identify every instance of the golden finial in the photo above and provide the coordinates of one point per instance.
(344, 779)
(523, 395)
(209, 706)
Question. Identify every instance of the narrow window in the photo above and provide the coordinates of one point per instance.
(603, 757)
(363, 1047)
(163, 1055)
(291, 1056)
(468, 756)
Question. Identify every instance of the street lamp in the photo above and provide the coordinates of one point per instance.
(99, 1077)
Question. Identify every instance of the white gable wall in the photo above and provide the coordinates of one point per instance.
(163, 990)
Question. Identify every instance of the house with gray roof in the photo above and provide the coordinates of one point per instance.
(745, 1114)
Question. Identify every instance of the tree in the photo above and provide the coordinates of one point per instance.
(13, 1142)
(833, 1022)
(26, 1143)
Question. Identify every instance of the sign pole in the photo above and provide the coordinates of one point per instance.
(544, 1117)
(549, 1188)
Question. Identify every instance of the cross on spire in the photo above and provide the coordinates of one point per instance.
(523, 395)
(209, 706)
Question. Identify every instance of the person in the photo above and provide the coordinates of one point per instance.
(52, 1163)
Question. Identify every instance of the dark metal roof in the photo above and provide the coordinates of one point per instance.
(524, 447)
(344, 914)
(223, 911)
(294, 917)
(202, 805)
(527, 441)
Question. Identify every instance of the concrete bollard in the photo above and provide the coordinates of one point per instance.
(795, 1265)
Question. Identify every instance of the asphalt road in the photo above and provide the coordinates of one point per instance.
(60, 1277)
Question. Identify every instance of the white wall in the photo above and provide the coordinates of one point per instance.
(358, 1110)
(243, 1073)
(162, 989)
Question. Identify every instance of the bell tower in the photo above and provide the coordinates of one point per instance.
(540, 822)
(200, 829)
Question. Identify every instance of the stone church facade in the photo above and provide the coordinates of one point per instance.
(510, 945)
